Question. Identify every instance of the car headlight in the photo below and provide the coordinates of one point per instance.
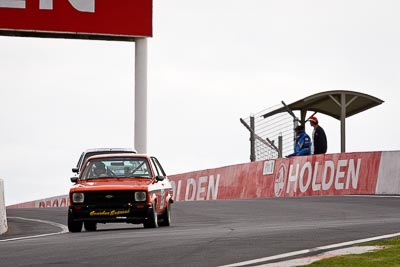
(78, 197)
(140, 196)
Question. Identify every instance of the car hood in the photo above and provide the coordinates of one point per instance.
(113, 184)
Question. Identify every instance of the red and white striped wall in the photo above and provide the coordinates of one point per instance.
(331, 174)
(51, 202)
(362, 173)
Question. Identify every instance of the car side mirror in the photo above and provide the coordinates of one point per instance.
(160, 178)
(76, 170)
(74, 179)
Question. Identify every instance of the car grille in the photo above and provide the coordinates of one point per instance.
(109, 198)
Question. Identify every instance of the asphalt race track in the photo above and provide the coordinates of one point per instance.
(207, 233)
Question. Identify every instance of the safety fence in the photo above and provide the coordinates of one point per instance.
(271, 137)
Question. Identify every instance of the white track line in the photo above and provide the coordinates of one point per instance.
(305, 251)
(64, 229)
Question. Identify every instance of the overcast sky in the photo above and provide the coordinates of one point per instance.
(211, 62)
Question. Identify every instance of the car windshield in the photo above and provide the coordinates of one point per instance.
(117, 167)
(86, 155)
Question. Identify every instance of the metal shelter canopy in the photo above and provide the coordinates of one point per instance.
(337, 104)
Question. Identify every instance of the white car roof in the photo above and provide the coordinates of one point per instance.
(109, 149)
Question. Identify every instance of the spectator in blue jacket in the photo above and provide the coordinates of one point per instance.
(302, 145)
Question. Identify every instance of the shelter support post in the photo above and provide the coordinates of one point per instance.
(343, 106)
(343, 123)
(141, 95)
(303, 114)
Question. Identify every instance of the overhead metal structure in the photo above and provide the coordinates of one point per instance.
(339, 104)
(84, 19)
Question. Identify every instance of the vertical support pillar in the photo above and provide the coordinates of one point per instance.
(303, 114)
(343, 123)
(141, 95)
(252, 140)
(295, 124)
(280, 146)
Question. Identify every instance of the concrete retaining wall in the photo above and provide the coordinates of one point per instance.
(362, 173)
(51, 202)
(389, 174)
(331, 174)
(3, 217)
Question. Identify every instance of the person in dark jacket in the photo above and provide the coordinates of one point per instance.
(302, 145)
(320, 143)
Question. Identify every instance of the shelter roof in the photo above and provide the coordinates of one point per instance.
(329, 103)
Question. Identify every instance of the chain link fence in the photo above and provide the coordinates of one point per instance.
(271, 137)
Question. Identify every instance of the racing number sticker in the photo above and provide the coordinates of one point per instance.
(280, 180)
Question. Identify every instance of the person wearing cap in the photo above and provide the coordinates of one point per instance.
(302, 145)
(320, 144)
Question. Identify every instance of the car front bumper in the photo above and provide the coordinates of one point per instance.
(137, 213)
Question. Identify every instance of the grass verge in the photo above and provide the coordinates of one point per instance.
(388, 256)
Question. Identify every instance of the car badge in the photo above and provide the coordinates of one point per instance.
(109, 196)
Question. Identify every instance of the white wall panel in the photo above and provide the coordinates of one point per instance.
(389, 174)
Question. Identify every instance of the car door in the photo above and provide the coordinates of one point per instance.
(162, 193)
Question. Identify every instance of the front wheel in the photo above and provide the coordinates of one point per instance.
(73, 226)
(152, 218)
(90, 226)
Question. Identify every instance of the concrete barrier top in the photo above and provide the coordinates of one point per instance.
(3, 216)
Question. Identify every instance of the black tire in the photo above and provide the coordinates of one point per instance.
(166, 217)
(73, 226)
(90, 226)
(152, 218)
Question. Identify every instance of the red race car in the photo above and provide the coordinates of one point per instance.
(128, 187)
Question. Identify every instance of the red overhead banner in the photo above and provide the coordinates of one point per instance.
(93, 19)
